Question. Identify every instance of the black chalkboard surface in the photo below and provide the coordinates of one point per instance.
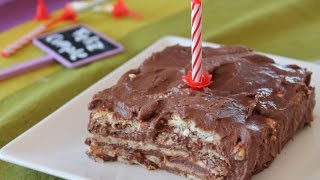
(77, 46)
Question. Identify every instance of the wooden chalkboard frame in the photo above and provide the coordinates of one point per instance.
(119, 48)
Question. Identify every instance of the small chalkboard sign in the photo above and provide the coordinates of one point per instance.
(77, 46)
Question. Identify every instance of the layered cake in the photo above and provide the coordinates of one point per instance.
(231, 129)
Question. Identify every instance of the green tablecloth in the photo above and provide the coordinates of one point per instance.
(287, 27)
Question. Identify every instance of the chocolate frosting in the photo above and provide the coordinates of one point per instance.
(252, 100)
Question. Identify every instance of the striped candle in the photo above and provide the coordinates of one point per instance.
(68, 14)
(196, 36)
(196, 78)
(24, 40)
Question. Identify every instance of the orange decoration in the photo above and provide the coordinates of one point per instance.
(120, 9)
(42, 11)
(204, 81)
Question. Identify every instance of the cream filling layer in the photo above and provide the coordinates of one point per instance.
(122, 156)
(180, 126)
(211, 154)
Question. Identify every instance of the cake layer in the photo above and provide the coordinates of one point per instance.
(171, 144)
(244, 118)
(180, 150)
(105, 123)
(152, 157)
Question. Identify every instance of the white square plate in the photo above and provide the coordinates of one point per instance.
(56, 144)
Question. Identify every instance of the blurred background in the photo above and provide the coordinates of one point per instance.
(284, 27)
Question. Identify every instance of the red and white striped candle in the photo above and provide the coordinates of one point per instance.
(24, 40)
(197, 79)
(196, 36)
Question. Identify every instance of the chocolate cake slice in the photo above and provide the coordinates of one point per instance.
(230, 130)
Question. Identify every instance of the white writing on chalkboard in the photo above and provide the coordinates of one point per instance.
(64, 46)
(91, 43)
